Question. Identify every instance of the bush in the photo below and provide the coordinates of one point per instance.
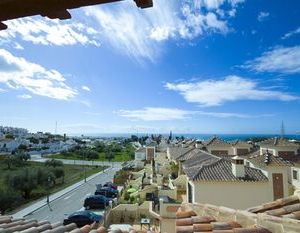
(126, 196)
(8, 199)
(53, 163)
(58, 173)
(24, 182)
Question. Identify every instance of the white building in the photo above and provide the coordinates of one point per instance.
(235, 182)
(295, 173)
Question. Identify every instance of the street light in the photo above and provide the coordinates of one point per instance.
(48, 192)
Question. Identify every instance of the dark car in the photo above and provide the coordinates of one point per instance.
(96, 202)
(107, 192)
(110, 185)
(82, 218)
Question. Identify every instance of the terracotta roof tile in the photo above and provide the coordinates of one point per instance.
(187, 222)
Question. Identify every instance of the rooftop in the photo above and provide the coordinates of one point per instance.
(278, 142)
(207, 167)
(12, 9)
(268, 159)
(216, 141)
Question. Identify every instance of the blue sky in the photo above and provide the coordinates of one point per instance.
(202, 66)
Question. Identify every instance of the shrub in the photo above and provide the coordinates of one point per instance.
(53, 163)
(24, 182)
(8, 199)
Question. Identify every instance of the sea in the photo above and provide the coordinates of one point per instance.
(226, 137)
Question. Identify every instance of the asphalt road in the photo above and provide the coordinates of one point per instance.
(71, 201)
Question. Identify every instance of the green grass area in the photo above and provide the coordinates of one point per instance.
(72, 174)
(118, 156)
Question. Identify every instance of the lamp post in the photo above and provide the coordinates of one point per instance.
(84, 166)
(48, 192)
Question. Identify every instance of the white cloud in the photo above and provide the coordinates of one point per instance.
(49, 32)
(280, 59)
(18, 46)
(24, 96)
(231, 88)
(85, 88)
(138, 33)
(292, 33)
(155, 114)
(168, 114)
(262, 16)
(18, 73)
(211, 4)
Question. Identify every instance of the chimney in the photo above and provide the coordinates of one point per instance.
(198, 144)
(238, 168)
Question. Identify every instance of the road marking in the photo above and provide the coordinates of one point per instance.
(66, 198)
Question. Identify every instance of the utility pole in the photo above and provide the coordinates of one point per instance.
(282, 130)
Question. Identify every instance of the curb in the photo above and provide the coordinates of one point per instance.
(80, 183)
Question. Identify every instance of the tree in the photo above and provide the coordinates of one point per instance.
(59, 173)
(34, 140)
(92, 155)
(100, 147)
(88, 154)
(134, 138)
(45, 140)
(22, 156)
(22, 147)
(24, 181)
(9, 136)
(109, 154)
(9, 161)
(53, 163)
(8, 199)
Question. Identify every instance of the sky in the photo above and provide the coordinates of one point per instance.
(198, 66)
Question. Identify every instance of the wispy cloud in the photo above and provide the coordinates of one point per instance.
(18, 73)
(155, 114)
(138, 33)
(262, 16)
(169, 114)
(49, 32)
(284, 60)
(231, 88)
(24, 96)
(290, 34)
(85, 88)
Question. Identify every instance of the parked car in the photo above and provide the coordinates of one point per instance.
(96, 202)
(107, 192)
(82, 218)
(110, 185)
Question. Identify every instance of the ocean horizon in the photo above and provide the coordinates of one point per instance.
(227, 137)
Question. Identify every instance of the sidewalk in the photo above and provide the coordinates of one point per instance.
(43, 202)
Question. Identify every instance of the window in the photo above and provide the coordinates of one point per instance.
(190, 193)
(295, 175)
(240, 161)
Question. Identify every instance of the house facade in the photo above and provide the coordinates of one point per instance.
(234, 182)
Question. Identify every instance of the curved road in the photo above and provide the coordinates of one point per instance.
(72, 201)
